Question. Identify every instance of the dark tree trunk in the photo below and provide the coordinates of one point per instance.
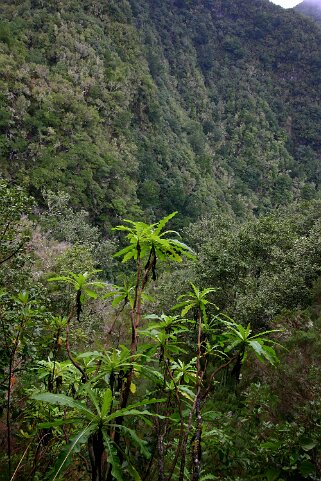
(98, 459)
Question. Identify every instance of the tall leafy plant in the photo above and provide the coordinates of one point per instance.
(83, 288)
(221, 342)
(148, 243)
(94, 418)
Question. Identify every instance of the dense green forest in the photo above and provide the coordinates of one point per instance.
(160, 240)
(223, 95)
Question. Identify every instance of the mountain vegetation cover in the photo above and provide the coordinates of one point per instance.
(310, 8)
(115, 95)
(160, 252)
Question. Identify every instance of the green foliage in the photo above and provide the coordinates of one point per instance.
(242, 339)
(14, 228)
(109, 110)
(217, 98)
(65, 224)
(177, 388)
(196, 300)
(310, 8)
(92, 422)
(262, 266)
(145, 240)
(80, 283)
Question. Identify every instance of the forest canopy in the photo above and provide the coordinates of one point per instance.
(160, 252)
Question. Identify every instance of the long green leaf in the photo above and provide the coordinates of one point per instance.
(108, 397)
(92, 396)
(59, 422)
(208, 477)
(124, 251)
(136, 440)
(258, 349)
(91, 293)
(161, 224)
(186, 310)
(132, 412)
(62, 400)
(113, 459)
(133, 472)
(66, 453)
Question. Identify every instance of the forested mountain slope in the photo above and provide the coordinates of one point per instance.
(134, 353)
(310, 8)
(146, 105)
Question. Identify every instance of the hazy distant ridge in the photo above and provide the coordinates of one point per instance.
(310, 8)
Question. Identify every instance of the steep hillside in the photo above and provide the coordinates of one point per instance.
(134, 353)
(155, 106)
(310, 8)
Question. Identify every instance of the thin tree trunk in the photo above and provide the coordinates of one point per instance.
(197, 445)
(135, 317)
(9, 416)
(180, 440)
(185, 439)
(197, 448)
(74, 362)
(9, 393)
(160, 445)
(98, 458)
